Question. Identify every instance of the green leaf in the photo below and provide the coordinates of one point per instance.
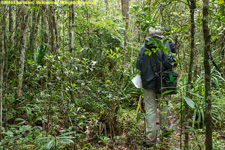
(167, 91)
(138, 117)
(189, 102)
(223, 19)
(148, 52)
(20, 119)
(199, 96)
(145, 8)
(66, 137)
(49, 144)
(149, 18)
(155, 3)
(67, 140)
(136, 7)
(68, 133)
(38, 118)
(42, 139)
(29, 114)
(221, 2)
(218, 17)
(218, 24)
(193, 118)
(165, 50)
(29, 146)
(144, 27)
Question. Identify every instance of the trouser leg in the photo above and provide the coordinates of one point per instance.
(164, 114)
(150, 119)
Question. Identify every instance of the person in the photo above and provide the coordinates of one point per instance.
(151, 99)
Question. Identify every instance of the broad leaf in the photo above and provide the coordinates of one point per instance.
(189, 102)
(138, 117)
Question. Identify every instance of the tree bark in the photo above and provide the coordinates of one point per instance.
(207, 38)
(195, 73)
(186, 109)
(6, 46)
(106, 6)
(18, 27)
(6, 83)
(223, 47)
(45, 25)
(223, 59)
(72, 23)
(32, 37)
(34, 29)
(125, 12)
(125, 8)
(71, 28)
(56, 30)
(2, 66)
(24, 25)
(51, 28)
(10, 26)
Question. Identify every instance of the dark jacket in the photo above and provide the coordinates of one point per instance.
(143, 60)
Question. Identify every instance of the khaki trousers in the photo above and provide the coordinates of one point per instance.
(152, 100)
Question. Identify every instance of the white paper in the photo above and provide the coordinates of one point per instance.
(137, 81)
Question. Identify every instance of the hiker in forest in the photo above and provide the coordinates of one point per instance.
(151, 99)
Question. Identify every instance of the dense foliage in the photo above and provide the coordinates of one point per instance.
(59, 97)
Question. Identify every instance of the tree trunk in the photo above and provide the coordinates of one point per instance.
(125, 7)
(6, 46)
(71, 28)
(24, 25)
(72, 23)
(10, 26)
(2, 57)
(195, 73)
(56, 31)
(32, 37)
(207, 38)
(192, 13)
(34, 29)
(6, 83)
(106, 6)
(17, 27)
(1, 84)
(45, 25)
(125, 12)
(51, 28)
(223, 47)
(223, 60)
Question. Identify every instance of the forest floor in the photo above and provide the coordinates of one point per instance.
(132, 137)
(88, 134)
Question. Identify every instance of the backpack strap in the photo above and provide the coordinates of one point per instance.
(153, 64)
